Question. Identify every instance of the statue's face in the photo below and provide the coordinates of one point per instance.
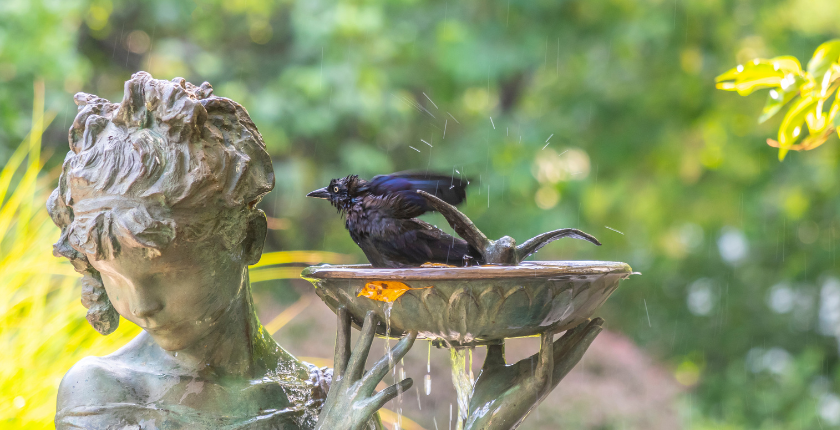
(179, 296)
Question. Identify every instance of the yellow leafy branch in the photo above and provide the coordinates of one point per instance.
(805, 91)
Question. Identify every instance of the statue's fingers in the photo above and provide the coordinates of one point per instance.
(495, 357)
(574, 352)
(574, 336)
(386, 363)
(342, 343)
(569, 337)
(385, 396)
(545, 360)
(360, 352)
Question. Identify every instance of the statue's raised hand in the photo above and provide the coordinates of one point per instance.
(504, 395)
(352, 402)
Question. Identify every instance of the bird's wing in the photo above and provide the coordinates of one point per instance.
(448, 188)
(462, 225)
(533, 245)
(394, 205)
(413, 242)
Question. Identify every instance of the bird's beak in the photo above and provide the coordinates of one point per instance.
(320, 193)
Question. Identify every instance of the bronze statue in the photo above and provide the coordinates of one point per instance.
(157, 208)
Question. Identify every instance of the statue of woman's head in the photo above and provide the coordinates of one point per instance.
(160, 189)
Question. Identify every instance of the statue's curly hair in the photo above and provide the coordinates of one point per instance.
(170, 160)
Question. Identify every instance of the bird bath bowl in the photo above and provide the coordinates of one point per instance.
(478, 305)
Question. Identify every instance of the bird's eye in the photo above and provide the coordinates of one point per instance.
(335, 189)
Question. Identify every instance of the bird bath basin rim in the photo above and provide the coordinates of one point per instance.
(527, 269)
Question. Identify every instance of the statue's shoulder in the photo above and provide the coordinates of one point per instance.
(90, 381)
(98, 391)
(95, 381)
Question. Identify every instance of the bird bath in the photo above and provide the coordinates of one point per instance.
(478, 305)
(462, 307)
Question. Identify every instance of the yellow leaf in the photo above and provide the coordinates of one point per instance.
(779, 72)
(385, 291)
(437, 265)
(816, 140)
(816, 119)
(787, 64)
(791, 127)
(834, 112)
(810, 142)
(392, 418)
(826, 54)
(301, 257)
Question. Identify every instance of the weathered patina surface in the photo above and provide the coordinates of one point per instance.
(157, 208)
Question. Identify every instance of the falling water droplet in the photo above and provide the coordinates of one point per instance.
(427, 384)
(429, 359)
(388, 307)
(472, 377)
(463, 385)
(402, 373)
(419, 406)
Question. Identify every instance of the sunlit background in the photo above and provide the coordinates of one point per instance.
(600, 115)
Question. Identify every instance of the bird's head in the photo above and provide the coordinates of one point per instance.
(340, 192)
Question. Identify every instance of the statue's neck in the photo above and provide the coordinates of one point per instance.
(238, 346)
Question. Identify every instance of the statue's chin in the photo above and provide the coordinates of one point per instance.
(176, 338)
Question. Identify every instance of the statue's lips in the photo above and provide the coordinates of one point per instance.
(160, 328)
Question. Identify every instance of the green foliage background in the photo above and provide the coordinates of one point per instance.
(626, 87)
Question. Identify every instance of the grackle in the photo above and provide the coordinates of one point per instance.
(380, 215)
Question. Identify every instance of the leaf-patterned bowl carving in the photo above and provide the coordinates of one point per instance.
(474, 305)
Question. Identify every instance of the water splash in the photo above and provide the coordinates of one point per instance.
(419, 405)
(427, 380)
(429, 359)
(472, 377)
(388, 306)
(462, 381)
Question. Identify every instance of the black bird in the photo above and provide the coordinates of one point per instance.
(380, 215)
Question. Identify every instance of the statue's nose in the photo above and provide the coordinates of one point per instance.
(146, 307)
